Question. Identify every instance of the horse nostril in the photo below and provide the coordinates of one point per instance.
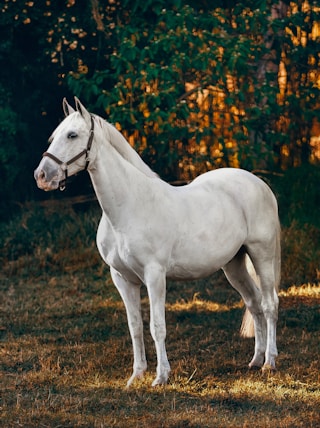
(41, 175)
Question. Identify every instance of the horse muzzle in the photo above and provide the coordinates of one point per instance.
(47, 179)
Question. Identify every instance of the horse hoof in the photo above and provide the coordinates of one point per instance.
(160, 380)
(138, 375)
(268, 368)
(257, 361)
(255, 364)
(254, 367)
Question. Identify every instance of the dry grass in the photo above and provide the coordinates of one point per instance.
(66, 355)
(65, 351)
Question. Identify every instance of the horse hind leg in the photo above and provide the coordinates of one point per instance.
(266, 260)
(239, 277)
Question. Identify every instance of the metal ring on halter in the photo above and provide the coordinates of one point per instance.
(64, 165)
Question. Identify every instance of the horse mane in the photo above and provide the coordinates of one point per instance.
(121, 145)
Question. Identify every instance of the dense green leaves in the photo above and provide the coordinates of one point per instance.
(8, 151)
(193, 85)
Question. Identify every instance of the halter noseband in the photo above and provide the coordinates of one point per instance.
(64, 165)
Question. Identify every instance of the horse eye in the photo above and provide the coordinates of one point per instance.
(72, 135)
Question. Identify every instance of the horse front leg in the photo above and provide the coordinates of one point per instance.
(156, 284)
(130, 294)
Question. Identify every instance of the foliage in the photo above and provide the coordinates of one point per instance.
(298, 194)
(193, 85)
(196, 88)
(8, 151)
(32, 82)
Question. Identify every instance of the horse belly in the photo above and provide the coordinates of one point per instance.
(189, 272)
(199, 266)
(202, 257)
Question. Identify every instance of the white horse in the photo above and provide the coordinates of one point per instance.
(150, 230)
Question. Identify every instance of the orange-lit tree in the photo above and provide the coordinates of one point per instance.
(195, 86)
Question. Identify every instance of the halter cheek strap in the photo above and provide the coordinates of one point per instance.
(64, 165)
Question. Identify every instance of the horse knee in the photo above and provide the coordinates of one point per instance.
(253, 303)
(158, 331)
(270, 309)
(136, 329)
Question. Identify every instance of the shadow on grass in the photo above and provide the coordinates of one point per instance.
(66, 356)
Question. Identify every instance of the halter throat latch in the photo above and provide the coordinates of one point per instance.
(64, 165)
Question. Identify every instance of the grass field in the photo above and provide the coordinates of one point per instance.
(65, 350)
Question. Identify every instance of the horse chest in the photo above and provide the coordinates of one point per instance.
(119, 252)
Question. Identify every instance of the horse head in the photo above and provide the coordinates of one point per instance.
(69, 148)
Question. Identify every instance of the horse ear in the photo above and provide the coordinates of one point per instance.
(82, 110)
(67, 109)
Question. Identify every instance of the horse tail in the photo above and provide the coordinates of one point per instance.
(247, 326)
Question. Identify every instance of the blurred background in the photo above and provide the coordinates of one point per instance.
(193, 85)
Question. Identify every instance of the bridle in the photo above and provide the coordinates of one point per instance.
(64, 165)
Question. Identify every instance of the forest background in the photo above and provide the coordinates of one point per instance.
(192, 85)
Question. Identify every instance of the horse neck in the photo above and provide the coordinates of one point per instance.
(118, 184)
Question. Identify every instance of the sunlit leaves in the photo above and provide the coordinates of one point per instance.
(200, 79)
(161, 47)
(162, 50)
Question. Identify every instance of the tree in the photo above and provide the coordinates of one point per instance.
(38, 48)
(194, 88)
(193, 85)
